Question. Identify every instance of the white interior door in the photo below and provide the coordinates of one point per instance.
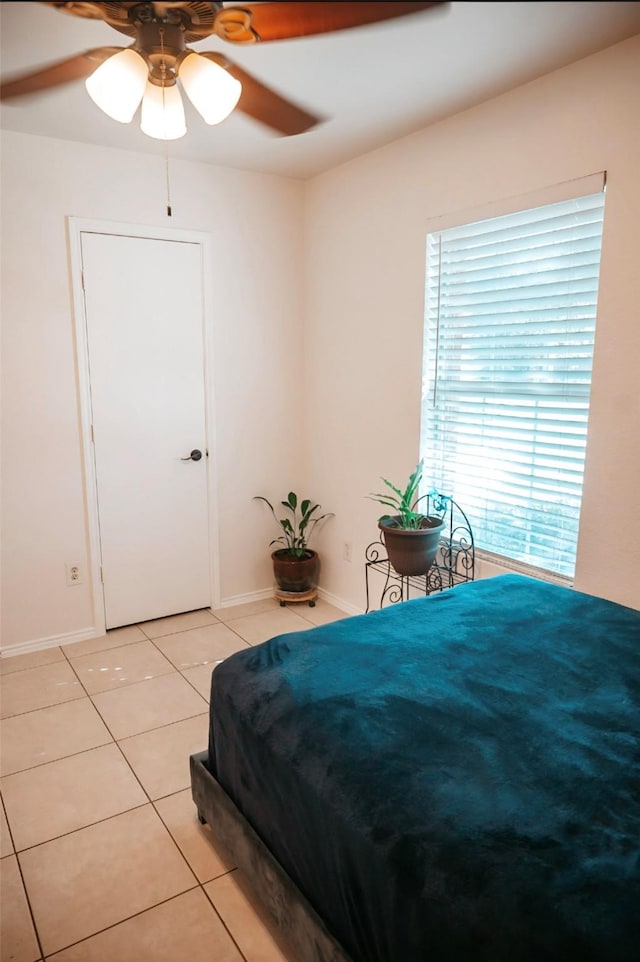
(144, 328)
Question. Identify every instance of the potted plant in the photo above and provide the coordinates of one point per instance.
(410, 536)
(295, 566)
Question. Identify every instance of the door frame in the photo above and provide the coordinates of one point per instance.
(76, 226)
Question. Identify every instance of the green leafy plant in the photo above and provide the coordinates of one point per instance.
(298, 525)
(404, 503)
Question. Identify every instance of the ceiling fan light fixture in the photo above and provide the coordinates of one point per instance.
(163, 112)
(210, 88)
(118, 84)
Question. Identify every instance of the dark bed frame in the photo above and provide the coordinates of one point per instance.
(292, 914)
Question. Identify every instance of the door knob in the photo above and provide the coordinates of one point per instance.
(194, 456)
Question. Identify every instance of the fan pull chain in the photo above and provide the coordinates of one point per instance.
(166, 143)
(166, 159)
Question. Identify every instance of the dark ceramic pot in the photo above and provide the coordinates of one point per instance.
(295, 574)
(411, 551)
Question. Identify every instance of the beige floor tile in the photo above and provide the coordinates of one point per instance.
(149, 704)
(207, 857)
(98, 876)
(258, 628)
(79, 791)
(247, 921)
(42, 736)
(18, 941)
(200, 678)
(160, 758)
(113, 639)
(6, 845)
(249, 608)
(184, 929)
(200, 646)
(33, 659)
(167, 626)
(117, 667)
(322, 614)
(24, 691)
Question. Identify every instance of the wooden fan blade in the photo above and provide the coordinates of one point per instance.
(264, 104)
(284, 21)
(62, 72)
(90, 11)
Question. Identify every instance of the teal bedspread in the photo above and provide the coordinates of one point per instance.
(452, 778)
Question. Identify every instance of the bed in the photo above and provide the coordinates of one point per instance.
(454, 777)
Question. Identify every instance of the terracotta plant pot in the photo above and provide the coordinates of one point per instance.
(411, 551)
(295, 574)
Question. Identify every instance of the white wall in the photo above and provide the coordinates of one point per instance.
(351, 261)
(365, 243)
(255, 224)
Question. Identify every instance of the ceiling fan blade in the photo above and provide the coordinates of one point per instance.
(62, 72)
(92, 11)
(115, 14)
(284, 21)
(264, 104)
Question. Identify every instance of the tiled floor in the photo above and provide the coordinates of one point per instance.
(103, 857)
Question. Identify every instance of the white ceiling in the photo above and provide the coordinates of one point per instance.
(373, 84)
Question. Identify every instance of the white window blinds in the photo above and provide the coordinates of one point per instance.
(509, 331)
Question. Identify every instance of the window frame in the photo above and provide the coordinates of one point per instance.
(566, 191)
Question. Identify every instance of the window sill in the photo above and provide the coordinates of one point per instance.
(488, 563)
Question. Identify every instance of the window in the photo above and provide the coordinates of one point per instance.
(509, 331)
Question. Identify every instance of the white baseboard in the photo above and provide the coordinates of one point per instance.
(340, 603)
(54, 641)
(84, 634)
(243, 599)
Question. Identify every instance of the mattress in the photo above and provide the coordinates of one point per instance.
(455, 777)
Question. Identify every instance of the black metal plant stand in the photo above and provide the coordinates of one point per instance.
(454, 564)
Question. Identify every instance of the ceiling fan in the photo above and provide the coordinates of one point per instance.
(120, 78)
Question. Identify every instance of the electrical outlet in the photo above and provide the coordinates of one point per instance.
(346, 551)
(74, 574)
